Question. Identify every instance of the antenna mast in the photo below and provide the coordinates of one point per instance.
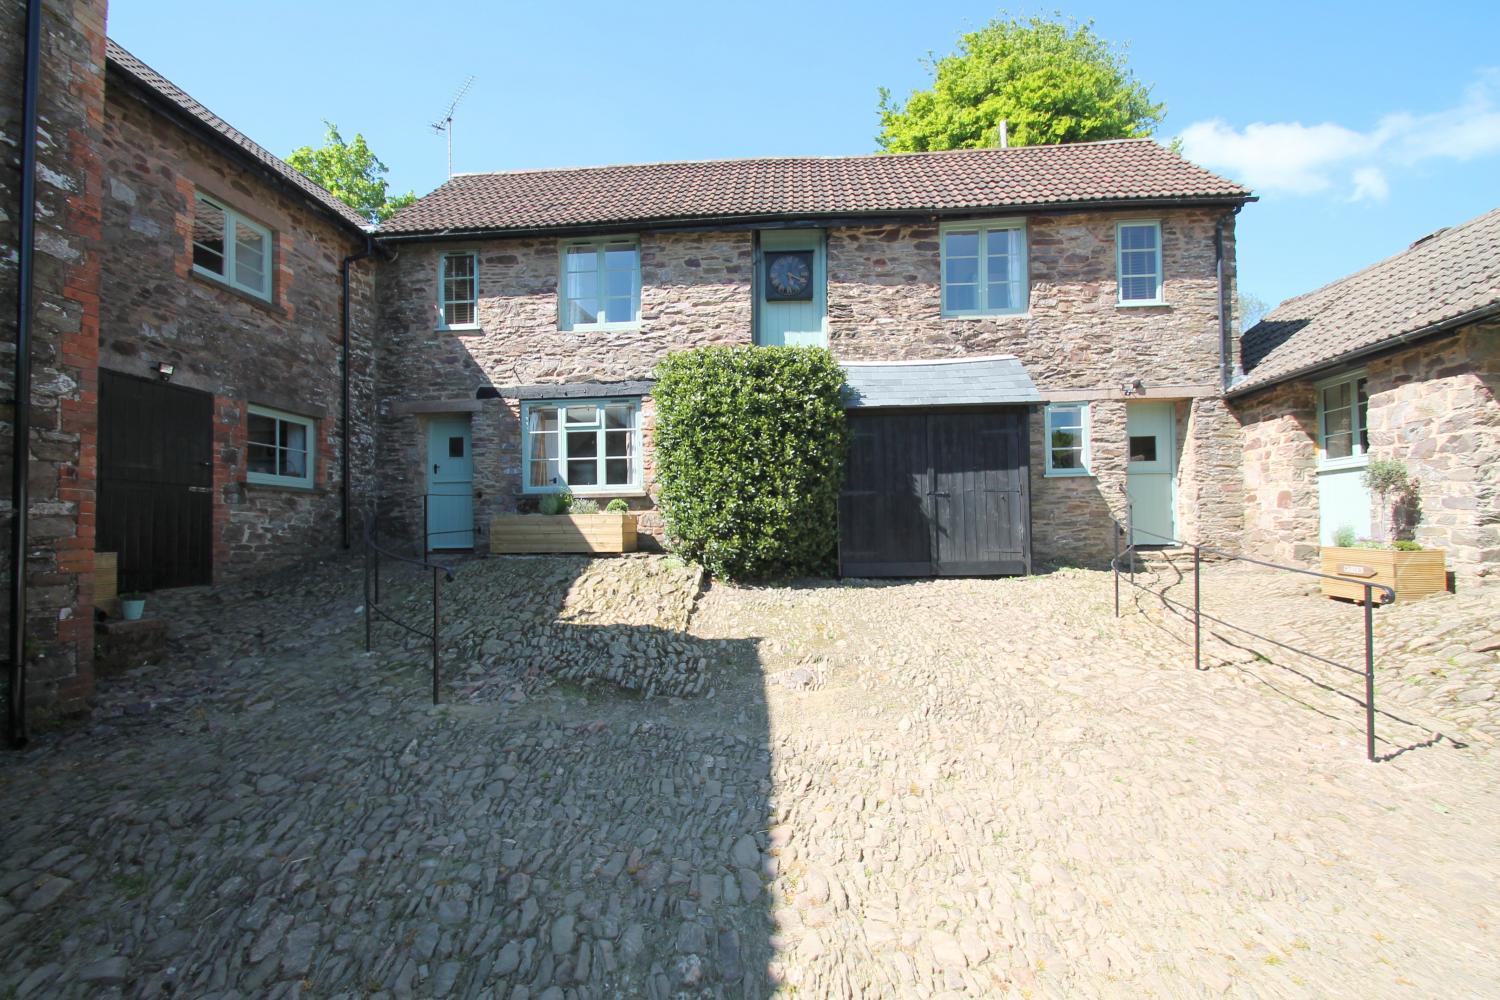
(444, 124)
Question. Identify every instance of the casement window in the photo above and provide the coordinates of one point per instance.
(600, 285)
(1139, 262)
(984, 268)
(280, 448)
(1067, 447)
(584, 445)
(230, 248)
(458, 290)
(1343, 412)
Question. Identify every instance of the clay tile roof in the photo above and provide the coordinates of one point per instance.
(1454, 274)
(1126, 170)
(171, 94)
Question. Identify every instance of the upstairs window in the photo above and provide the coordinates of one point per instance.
(583, 445)
(230, 248)
(1067, 448)
(280, 448)
(601, 284)
(1343, 416)
(1139, 263)
(458, 290)
(984, 268)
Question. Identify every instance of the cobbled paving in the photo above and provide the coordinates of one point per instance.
(940, 788)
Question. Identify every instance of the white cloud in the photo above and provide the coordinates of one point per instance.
(1293, 158)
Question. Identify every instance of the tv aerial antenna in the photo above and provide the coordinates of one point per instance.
(444, 124)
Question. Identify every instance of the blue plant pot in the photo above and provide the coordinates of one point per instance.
(132, 610)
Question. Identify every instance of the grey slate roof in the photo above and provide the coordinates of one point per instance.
(956, 382)
(183, 102)
(1450, 277)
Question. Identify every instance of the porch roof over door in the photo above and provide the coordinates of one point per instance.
(996, 380)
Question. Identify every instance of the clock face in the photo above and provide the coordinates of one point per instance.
(789, 275)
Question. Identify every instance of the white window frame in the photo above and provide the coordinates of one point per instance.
(1160, 299)
(233, 219)
(443, 302)
(1085, 446)
(984, 227)
(599, 243)
(282, 417)
(600, 488)
(1358, 456)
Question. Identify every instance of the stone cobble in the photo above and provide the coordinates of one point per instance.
(984, 788)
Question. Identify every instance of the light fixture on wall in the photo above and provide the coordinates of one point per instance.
(1134, 387)
(164, 371)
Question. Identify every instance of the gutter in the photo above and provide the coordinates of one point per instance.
(1226, 331)
(1390, 343)
(20, 502)
(345, 382)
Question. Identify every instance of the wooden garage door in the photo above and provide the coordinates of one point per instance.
(936, 493)
(155, 482)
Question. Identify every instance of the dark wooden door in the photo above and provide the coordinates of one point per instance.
(936, 493)
(155, 482)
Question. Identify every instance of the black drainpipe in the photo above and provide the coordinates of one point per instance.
(1226, 343)
(20, 500)
(345, 378)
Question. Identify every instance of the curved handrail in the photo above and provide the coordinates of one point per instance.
(409, 560)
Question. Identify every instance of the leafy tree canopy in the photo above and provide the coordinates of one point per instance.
(351, 173)
(1050, 81)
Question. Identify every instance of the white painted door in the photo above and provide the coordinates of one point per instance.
(1151, 472)
(450, 484)
(791, 286)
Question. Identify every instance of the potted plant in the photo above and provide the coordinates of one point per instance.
(565, 523)
(1393, 557)
(132, 606)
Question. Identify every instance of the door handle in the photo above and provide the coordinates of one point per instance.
(941, 493)
(434, 470)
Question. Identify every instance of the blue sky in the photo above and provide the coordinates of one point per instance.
(1362, 126)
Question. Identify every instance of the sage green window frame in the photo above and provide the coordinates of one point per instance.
(1356, 406)
(283, 447)
(1059, 418)
(601, 245)
(1018, 259)
(1159, 297)
(446, 284)
(230, 250)
(570, 423)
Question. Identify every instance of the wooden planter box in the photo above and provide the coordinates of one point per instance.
(519, 533)
(1413, 574)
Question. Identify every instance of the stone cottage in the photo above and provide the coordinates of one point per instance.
(1400, 360)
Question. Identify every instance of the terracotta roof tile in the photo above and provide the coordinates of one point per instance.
(174, 95)
(1451, 274)
(714, 190)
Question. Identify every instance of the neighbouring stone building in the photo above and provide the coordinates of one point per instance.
(1401, 361)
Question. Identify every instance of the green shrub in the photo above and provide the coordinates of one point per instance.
(749, 458)
(1406, 545)
(583, 505)
(617, 506)
(1344, 537)
(555, 503)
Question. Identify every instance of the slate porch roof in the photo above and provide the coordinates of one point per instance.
(1447, 279)
(184, 104)
(1127, 171)
(1000, 379)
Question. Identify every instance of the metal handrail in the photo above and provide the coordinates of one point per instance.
(1387, 596)
(373, 554)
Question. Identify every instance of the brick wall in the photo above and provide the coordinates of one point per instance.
(65, 335)
(242, 350)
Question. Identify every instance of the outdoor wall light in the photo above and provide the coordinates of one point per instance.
(164, 370)
(1134, 388)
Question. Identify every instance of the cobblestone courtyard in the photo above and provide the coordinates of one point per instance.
(983, 788)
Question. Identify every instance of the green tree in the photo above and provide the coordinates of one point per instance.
(1050, 81)
(351, 173)
(1252, 309)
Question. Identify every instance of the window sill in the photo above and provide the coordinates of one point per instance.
(1082, 474)
(476, 328)
(250, 298)
(987, 315)
(601, 328)
(1343, 464)
(588, 491)
(280, 487)
(1154, 304)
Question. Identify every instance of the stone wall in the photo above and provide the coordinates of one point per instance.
(242, 350)
(1432, 406)
(64, 348)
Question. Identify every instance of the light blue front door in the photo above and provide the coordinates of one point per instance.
(1151, 472)
(450, 484)
(1343, 502)
(792, 288)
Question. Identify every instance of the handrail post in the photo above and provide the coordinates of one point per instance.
(1197, 608)
(1369, 673)
(1130, 537)
(426, 524)
(436, 625)
(369, 611)
(1114, 531)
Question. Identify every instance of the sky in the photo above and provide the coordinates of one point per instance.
(1362, 127)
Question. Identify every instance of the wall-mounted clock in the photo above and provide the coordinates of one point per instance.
(789, 275)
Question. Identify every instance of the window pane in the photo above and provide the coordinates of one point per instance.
(1138, 289)
(1138, 238)
(961, 244)
(1136, 263)
(999, 296)
(458, 314)
(294, 463)
(618, 415)
(617, 471)
(458, 267)
(581, 315)
(583, 286)
(588, 414)
(620, 257)
(1143, 447)
(1363, 395)
(960, 298)
(250, 257)
(542, 470)
(1001, 241)
(1067, 458)
(1338, 445)
(543, 418)
(583, 444)
(1336, 421)
(208, 237)
(261, 458)
(582, 258)
(583, 473)
(1066, 438)
(455, 447)
(262, 429)
(963, 270)
(617, 443)
(619, 310)
(620, 284)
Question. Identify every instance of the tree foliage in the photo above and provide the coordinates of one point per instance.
(1252, 309)
(351, 173)
(1050, 81)
(749, 450)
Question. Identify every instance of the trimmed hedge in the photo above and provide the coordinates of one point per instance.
(750, 446)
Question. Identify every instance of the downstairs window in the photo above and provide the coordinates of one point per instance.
(582, 445)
